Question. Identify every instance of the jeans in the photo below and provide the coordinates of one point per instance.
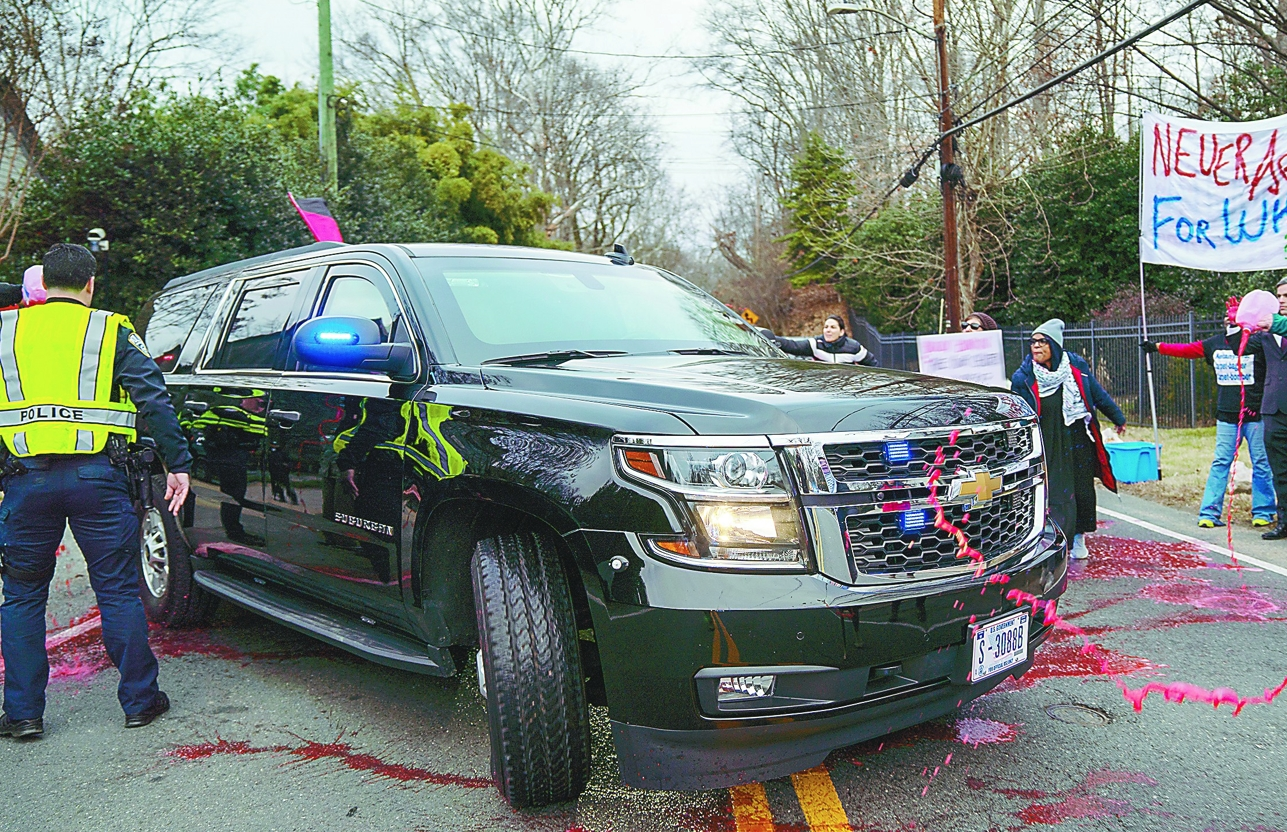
(93, 496)
(1263, 502)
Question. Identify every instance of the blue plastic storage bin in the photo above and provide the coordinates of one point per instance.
(1132, 461)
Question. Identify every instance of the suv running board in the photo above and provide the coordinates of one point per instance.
(312, 619)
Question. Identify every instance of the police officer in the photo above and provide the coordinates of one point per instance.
(71, 378)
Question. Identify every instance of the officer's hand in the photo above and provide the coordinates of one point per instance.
(349, 476)
(1148, 346)
(1121, 430)
(176, 491)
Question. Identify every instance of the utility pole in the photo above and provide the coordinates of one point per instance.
(949, 174)
(326, 99)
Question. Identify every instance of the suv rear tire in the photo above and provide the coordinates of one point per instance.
(536, 704)
(170, 596)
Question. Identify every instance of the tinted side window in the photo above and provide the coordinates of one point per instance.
(357, 297)
(166, 322)
(256, 330)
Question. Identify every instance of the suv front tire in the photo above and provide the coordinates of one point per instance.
(536, 702)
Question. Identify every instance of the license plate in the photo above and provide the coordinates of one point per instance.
(998, 645)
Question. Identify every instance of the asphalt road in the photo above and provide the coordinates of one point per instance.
(273, 731)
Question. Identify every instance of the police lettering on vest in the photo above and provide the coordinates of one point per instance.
(57, 380)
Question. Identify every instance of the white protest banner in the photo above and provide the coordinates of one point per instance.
(965, 356)
(1213, 195)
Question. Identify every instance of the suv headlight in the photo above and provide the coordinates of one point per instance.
(737, 501)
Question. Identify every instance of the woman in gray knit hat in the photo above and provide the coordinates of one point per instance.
(1065, 394)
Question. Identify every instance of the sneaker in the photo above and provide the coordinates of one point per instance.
(1078, 550)
(1262, 521)
(21, 728)
(1207, 523)
(159, 706)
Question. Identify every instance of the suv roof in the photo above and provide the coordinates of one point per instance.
(416, 250)
(238, 265)
(481, 250)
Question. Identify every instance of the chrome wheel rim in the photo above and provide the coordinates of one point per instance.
(155, 554)
(482, 673)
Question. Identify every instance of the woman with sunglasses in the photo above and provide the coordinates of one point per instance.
(1061, 388)
(978, 322)
(832, 346)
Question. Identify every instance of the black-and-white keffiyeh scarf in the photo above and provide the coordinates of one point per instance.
(1050, 380)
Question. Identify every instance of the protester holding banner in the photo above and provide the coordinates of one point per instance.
(1240, 384)
(1061, 388)
(832, 346)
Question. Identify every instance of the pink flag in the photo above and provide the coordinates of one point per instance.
(318, 218)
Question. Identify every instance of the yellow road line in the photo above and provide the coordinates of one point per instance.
(819, 801)
(751, 808)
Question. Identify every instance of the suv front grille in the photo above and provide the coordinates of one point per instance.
(861, 461)
(878, 546)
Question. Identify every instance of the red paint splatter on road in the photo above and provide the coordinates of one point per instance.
(1064, 657)
(76, 652)
(220, 747)
(341, 752)
(1080, 802)
(1120, 557)
(978, 732)
(1244, 604)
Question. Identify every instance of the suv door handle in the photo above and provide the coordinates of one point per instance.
(285, 418)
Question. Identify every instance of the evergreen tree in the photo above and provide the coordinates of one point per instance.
(818, 206)
(189, 182)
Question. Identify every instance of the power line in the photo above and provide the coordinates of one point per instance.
(913, 173)
(1035, 64)
(1084, 65)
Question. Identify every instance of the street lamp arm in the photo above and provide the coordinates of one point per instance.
(836, 9)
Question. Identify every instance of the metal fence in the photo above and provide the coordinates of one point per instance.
(1186, 390)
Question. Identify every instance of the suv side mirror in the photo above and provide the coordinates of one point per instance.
(345, 343)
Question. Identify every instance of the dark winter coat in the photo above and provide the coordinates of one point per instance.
(844, 350)
(1095, 397)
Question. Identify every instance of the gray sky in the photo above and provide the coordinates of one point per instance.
(281, 35)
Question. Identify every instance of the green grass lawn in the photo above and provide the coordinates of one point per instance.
(1186, 459)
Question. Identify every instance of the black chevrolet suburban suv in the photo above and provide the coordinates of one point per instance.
(596, 485)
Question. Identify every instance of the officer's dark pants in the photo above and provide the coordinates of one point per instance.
(93, 496)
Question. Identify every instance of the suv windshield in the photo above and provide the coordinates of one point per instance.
(498, 308)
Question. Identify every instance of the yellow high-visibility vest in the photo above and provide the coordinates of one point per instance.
(57, 363)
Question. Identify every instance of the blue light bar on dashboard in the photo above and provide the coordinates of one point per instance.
(898, 452)
(913, 521)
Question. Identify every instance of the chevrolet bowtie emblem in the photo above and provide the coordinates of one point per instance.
(981, 486)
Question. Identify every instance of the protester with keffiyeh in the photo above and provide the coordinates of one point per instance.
(1061, 388)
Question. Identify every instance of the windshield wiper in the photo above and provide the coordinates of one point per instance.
(554, 356)
(709, 351)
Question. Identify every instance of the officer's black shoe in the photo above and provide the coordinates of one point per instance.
(145, 717)
(21, 728)
(1278, 533)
